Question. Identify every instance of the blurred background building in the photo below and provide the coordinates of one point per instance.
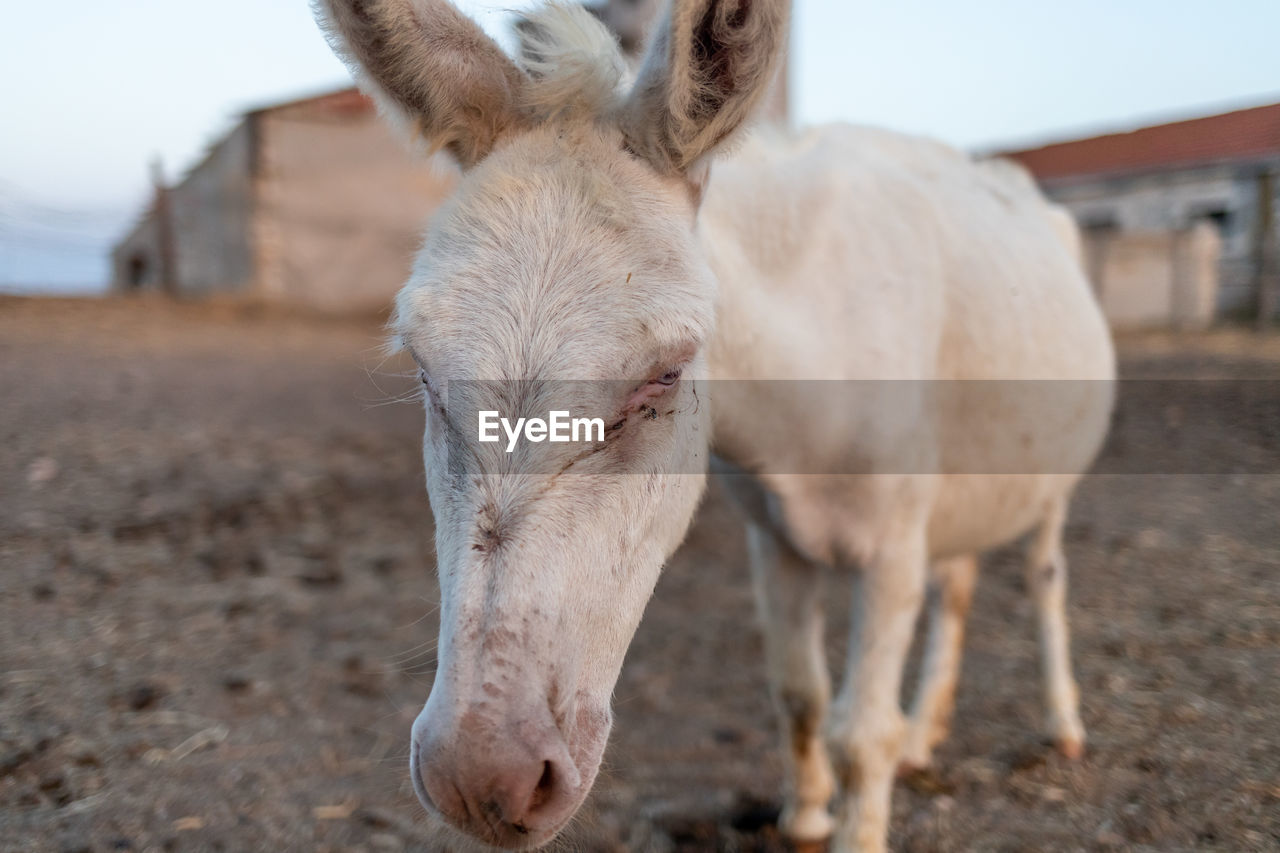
(1179, 220)
(316, 203)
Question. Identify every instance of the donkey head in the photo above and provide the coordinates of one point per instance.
(567, 253)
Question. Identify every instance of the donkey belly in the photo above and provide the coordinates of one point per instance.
(975, 512)
(1011, 450)
(840, 520)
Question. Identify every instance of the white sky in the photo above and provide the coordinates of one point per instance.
(92, 90)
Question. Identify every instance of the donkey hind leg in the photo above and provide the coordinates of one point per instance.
(789, 597)
(1046, 572)
(950, 594)
(867, 727)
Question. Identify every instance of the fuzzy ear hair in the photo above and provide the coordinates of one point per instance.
(708, 65)
(571, 59)
(427, 61)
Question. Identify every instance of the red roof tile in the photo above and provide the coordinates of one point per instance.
(1241, 135)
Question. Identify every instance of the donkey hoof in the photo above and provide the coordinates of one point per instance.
(1068, 736)
(913, 762)
(807, 824)
(1070, 747)
(911, 769)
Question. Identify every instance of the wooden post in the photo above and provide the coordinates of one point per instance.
(166, 257)
(1267, 270)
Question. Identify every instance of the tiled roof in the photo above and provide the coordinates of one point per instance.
(1241, 135)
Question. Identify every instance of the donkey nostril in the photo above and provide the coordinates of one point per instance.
(545, 787)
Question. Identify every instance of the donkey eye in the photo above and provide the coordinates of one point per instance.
(669, 378)
(428, 387)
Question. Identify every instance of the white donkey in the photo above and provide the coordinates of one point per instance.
(587, 241)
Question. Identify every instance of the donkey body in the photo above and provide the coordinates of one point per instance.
(586, 241)
(940, 269)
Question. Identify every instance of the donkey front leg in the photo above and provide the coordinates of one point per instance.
(867, 723)
(789, 597)
(951, 591)
(1047, 584)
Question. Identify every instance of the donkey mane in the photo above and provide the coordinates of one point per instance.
(575, 66)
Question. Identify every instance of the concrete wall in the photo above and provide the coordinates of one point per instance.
(1224, 196)
(210, 214)
(211, 211)
(1197, 267)
(135, 260)
(342, 204)
(1161, 279)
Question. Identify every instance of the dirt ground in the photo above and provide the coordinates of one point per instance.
(216, 598)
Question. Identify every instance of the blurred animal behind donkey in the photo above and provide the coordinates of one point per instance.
(587, 241)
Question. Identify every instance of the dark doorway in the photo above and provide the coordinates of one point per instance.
(138, 272)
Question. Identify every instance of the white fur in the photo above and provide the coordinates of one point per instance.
(852, 253)
(581, 245)
(573, 62)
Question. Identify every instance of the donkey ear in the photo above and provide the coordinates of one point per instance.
(709, 63)
(430, 63)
